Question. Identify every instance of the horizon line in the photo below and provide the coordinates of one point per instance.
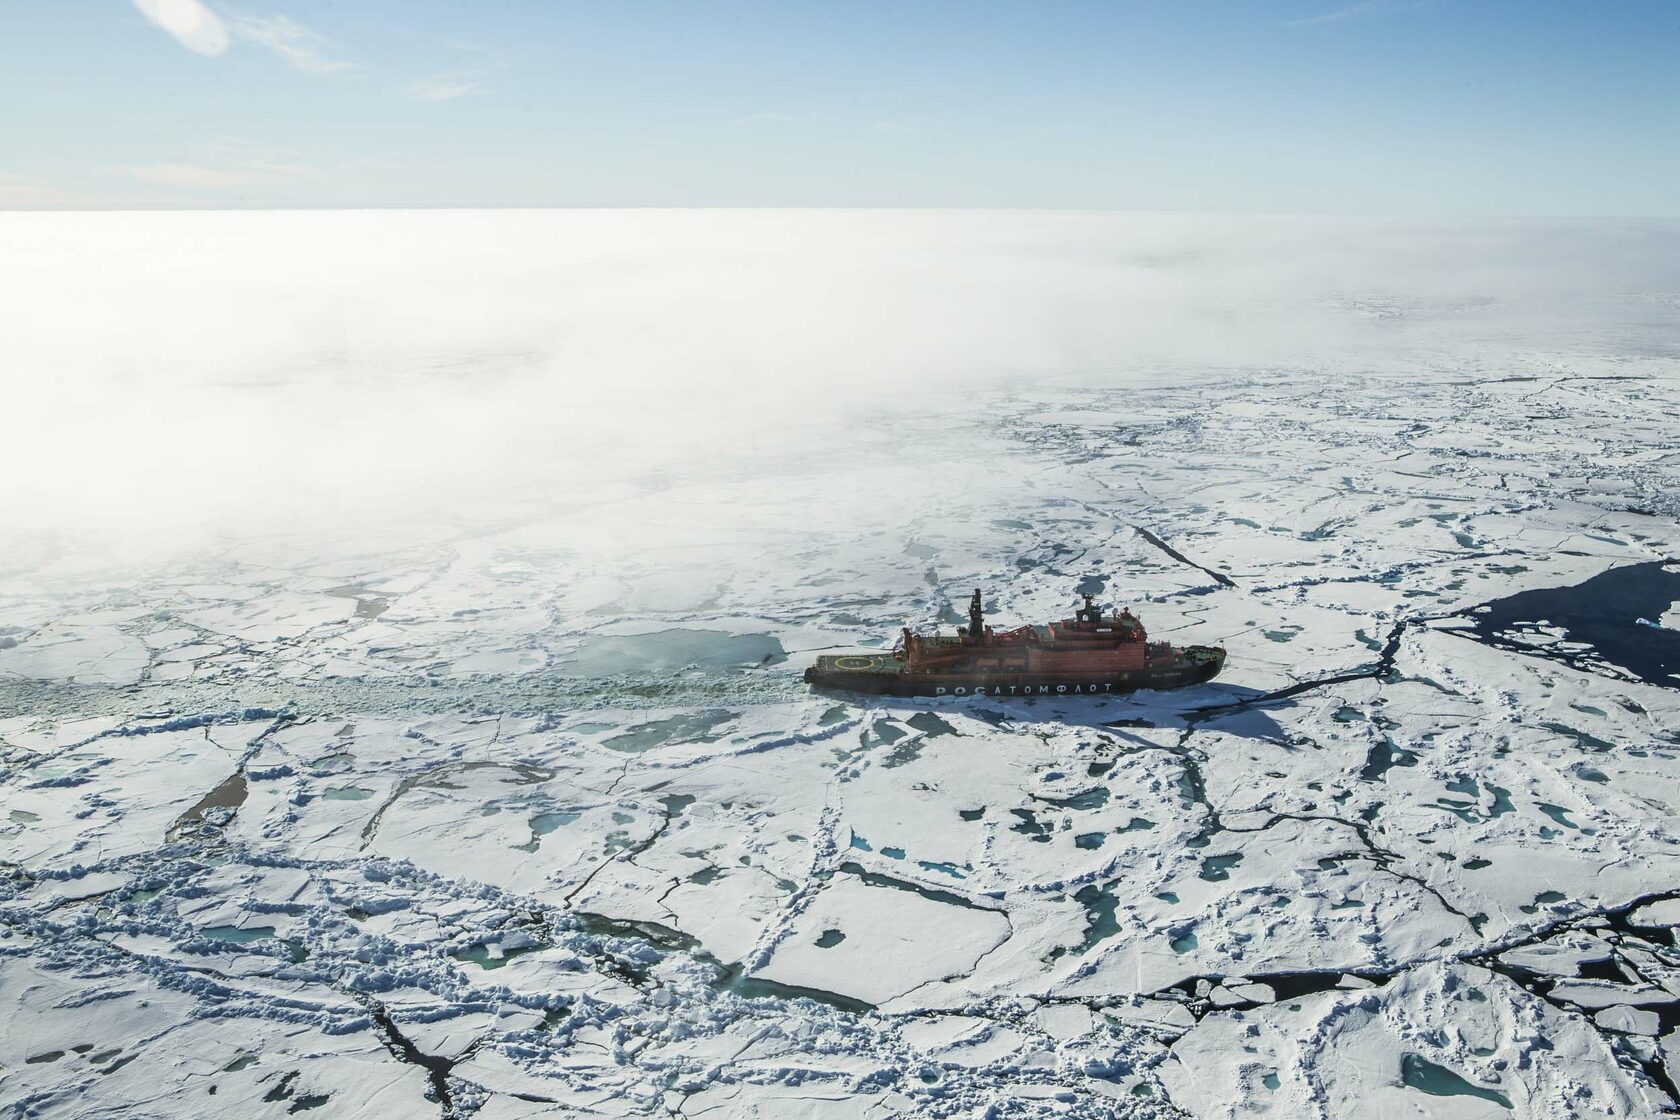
(449, 207)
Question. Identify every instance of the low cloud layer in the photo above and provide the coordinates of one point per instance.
(183, 371)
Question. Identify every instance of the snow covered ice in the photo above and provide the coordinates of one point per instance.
(400, 699)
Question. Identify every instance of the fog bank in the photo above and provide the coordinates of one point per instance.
(178, 373)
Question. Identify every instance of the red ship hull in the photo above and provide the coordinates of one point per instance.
(1081, 656)
(887, 677)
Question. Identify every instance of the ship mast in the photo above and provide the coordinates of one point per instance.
(1090, 612)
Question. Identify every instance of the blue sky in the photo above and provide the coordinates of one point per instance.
(1439, 107)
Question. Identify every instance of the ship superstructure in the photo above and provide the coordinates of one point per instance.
(1088, 653)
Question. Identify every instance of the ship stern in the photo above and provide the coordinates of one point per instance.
(856, 672)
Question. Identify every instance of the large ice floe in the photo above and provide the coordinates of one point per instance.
(528, 814)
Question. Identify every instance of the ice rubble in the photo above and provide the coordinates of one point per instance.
(362, 838)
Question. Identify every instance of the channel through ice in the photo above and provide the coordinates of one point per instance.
(400, 650)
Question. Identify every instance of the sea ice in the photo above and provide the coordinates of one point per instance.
(518, 807)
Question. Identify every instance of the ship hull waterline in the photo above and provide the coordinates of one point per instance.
(881, 675)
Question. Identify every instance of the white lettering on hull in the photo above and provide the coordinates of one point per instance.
(1021, 690)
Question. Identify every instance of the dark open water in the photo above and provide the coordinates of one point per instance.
(1614, 613)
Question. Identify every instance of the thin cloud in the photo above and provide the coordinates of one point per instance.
(442, 89)
(19, 193)
(298, 46)
(466, 46)
(1362, 8)
(192, 24)
(771, 118)
(774, 116)
(191, 175)
(224, 175)
(466, 76)
(197, 27)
